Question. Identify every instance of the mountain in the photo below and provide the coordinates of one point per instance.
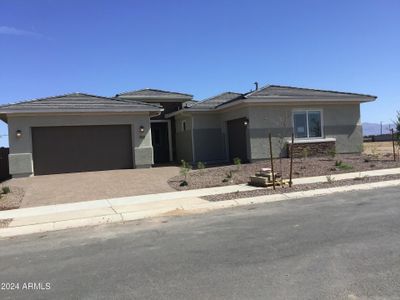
(375, 128)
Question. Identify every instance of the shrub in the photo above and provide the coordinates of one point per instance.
(5, 190)
(184, 171)
(201, 165)
(305, 152)
(343, 166)
(330, 179)
(237, 161)
(332, 152)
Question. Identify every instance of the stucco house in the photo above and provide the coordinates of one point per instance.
(80, 132)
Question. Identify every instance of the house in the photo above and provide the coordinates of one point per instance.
(81, 132)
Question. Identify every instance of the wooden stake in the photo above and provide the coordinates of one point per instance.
(291, 161)
(272, 161)
(394, 148)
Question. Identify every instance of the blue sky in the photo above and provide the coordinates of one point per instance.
(50, 47)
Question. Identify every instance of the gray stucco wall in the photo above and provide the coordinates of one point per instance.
(20, 157)
(339, 121)
(184, 150)
(210, 130)
(209, 139)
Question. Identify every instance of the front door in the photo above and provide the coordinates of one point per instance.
(237, 139)
(159, 136)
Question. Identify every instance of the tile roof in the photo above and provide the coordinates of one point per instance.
(214, 102)
(78, 102)
(155, 93)
(289, 91)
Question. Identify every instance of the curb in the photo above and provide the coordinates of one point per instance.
(197, 206)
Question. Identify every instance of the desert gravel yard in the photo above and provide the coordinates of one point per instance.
(75, 187)
(302, 167)
(298, 188)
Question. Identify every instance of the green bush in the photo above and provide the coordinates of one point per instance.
(201, 165)
(237, 161)
(343, 166)
(5, 190)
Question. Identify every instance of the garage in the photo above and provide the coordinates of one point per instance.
(66, 149)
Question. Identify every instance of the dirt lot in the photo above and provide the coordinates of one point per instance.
(379, 148)
(75, 187)
(312, 166)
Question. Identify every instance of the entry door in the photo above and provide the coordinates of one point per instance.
(159, 136)
(237, 139)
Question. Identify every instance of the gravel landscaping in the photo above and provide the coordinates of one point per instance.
(302, 167)
(296, 188)
(12, 200)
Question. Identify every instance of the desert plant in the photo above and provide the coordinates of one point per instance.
(228, 177)
(330, 179)
(5, 190)
(343, 166)
(201, 165)
(305, 153)
(238, 162)
(360, 177)
(184, 171)
(332, 152)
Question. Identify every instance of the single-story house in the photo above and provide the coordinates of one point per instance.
(80, 132)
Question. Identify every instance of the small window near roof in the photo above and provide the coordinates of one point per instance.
(307, 124)
(183, 125)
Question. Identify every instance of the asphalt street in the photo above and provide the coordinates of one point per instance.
(341, 246)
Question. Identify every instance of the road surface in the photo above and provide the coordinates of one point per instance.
(342, 246)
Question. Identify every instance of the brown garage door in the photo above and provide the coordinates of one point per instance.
(81, 148)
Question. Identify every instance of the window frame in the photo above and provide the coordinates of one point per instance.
(307, 111)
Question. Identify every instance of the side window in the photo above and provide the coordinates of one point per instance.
(307, 124)
(300, 124)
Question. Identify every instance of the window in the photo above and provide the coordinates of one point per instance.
(307, 124)
(183, 125)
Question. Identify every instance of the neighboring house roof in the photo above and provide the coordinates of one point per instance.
(216, 101)
(276, 94)
(154, 94)
(78, 102)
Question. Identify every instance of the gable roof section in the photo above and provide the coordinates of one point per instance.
(284, 92)
(78, 102)
(154, 93)
(214, 102)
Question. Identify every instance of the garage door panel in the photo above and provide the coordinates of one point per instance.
(81, 148)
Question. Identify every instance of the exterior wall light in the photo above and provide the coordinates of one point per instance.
(246, 122)
(18, 133)
(141, 129)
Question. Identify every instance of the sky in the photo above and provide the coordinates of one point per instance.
(53, 47)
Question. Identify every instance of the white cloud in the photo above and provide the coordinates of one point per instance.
(14, 31)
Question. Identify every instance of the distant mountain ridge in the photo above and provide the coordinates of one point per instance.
(375, 128)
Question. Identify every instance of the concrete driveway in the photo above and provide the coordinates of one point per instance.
(75, 187)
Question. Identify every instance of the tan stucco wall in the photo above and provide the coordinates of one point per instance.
(21, 163)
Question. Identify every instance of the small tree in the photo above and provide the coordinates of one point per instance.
(397, 123)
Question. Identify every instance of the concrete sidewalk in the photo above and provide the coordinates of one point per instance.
(72, 215)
